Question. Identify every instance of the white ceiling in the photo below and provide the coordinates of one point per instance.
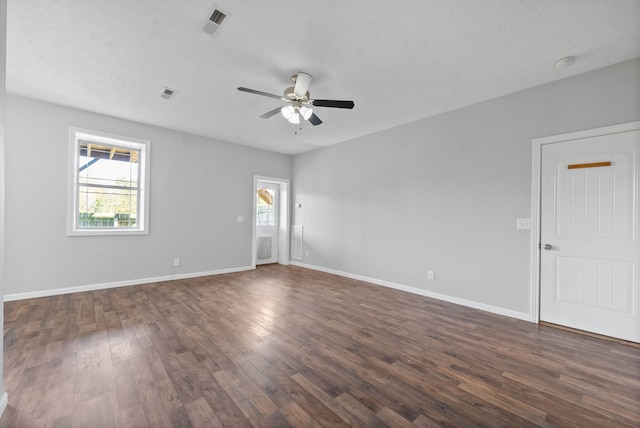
(399, 61)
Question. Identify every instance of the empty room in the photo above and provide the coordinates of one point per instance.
(222, 213)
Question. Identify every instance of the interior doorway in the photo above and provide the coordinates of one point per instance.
(587, 235)
(270, 221)
(267, 222)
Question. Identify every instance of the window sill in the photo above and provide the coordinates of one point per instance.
(107, 232)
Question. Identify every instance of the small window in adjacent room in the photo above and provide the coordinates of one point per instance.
(108, 184)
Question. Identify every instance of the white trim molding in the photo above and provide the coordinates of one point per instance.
(284, 218)
(4, 401)
(451, 299)
(534, 299)
(78, 135)
(93, 287)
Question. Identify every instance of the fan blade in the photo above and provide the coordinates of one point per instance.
(314, 120)
(273, 112)
(265, 94)
(303, 81)
(332, 103)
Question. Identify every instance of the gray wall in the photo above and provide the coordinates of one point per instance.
(3, 63)
(444, 193)
(198, 188)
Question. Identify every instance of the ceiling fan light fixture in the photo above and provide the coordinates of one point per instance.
(306, 112)
(295, 118)
(287, 112)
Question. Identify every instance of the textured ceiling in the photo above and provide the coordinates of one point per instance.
(399, 61)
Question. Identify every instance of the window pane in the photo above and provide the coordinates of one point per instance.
(265, 210)
(99, 166)
(108, 178)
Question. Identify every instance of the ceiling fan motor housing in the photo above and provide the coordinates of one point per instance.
(291, 96)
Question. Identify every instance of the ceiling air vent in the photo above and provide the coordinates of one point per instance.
(214, 22)
(167, 93)
(217, 17)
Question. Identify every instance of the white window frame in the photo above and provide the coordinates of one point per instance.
(142, 217)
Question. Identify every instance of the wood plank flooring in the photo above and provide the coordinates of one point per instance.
(286, 346)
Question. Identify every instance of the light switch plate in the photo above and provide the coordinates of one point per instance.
(523, 223)
(240, 219)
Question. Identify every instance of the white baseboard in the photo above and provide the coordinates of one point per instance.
(4, 401)
(469, 303)
(92, 287)
(458, 301)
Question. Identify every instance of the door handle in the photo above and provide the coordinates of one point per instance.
(548, 247)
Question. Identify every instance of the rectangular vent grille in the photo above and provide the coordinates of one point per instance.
(264, 247)
(212, 24)
(296, 242)
(217, 17)
(167, 93)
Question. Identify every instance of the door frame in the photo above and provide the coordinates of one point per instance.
(536, 194)
(283, 218)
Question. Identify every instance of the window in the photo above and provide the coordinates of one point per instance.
(108, 184)
(265, 208)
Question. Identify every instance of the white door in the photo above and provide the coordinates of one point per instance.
(267, 226)
(589, 234)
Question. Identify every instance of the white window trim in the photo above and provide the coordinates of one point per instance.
(144, 146)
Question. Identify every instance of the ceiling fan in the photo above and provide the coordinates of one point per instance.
(299, 103)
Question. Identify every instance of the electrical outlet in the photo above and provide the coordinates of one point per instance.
(431, 274)
(307, 253)
(523, 223)
(176, 261)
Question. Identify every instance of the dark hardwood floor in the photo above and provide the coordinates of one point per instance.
(286, 346)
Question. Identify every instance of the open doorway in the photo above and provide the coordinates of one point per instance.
(270, 221)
